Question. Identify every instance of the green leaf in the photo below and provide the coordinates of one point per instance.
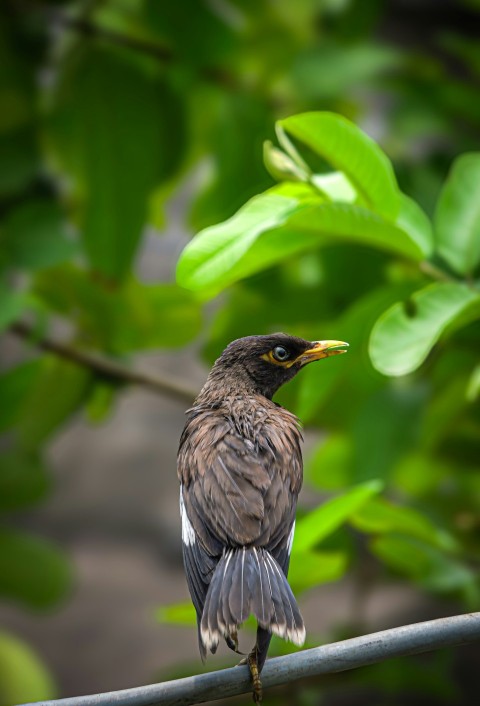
(100, 403)
(426, 565)
(12, 303)
(349, 65)
(420, 475)
(238, 124)
(325, 519)
(349, 150)
(20, 160)
(34, 235)
(22, 480)
(403, 337)
(335, 185)
(380, 516)
(117, 131)
(206, 260)
(457, 215)
(416, 223)
(312, 568)
(59, 390)
(273, 226)
(23, 677)
(328, 468)
(15, 384)
(132, 317)
(177, 614)
(32, 571)
(322, 387)
(386, 425)
(206, 41)
(160, 315)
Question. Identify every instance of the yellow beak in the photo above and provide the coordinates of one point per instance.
(322, 349)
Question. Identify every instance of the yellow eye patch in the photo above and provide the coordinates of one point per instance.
(270, 358)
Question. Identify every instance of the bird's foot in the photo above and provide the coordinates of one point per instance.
(255, 674)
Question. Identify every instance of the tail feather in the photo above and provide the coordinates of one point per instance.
(249, 581)
(293, 628)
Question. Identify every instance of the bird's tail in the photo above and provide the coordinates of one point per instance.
(249, 581)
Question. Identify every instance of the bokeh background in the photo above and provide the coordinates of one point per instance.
(126, 126)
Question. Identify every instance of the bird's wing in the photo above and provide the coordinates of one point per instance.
(199, 563)
(235, 492)
(225, 504)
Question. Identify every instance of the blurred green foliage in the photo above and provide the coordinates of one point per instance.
(108, 108)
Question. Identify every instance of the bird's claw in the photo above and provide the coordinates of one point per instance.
(232, 642)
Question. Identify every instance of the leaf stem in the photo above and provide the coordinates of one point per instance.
(435, 272)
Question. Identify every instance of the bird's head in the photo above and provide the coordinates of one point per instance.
(264, 363)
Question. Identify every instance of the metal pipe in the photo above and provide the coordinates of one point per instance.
(328, 659)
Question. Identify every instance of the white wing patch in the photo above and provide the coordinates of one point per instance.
(290, 539)
(188, 533)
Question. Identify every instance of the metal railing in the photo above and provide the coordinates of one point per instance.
(328, 659)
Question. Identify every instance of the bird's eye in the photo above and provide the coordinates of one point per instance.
(280, 353)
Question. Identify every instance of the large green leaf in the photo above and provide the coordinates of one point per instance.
(238, 125)
(206, 40)
(311, 568)
(426, 565)
(349, 65)
(324, 385)
(117, 132)
(23, 677)
(207, 259)
(404, 335)
(380, 516)
(272, 227)
(329, 516)
(131, 317)
(59, 390)
(15, 384)
(160, 315)
(34, 235)
(416, 223)
(386, 425)
(20, 160)
(32, 571)
(350, 151)
(457, 216)
(328, 467)
(12, 303)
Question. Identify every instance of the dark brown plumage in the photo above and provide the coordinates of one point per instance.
(240, 469)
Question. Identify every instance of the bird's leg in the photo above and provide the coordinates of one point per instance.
(255, 674)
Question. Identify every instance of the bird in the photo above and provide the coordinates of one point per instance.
(240, 470)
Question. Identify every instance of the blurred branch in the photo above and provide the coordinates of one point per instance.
(105, 368)
(329, 659)
(87, 28)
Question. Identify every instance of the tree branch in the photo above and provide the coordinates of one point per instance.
(329, 659)
(105, 368)
(85, 27)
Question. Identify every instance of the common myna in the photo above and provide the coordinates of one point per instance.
(240, 469)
